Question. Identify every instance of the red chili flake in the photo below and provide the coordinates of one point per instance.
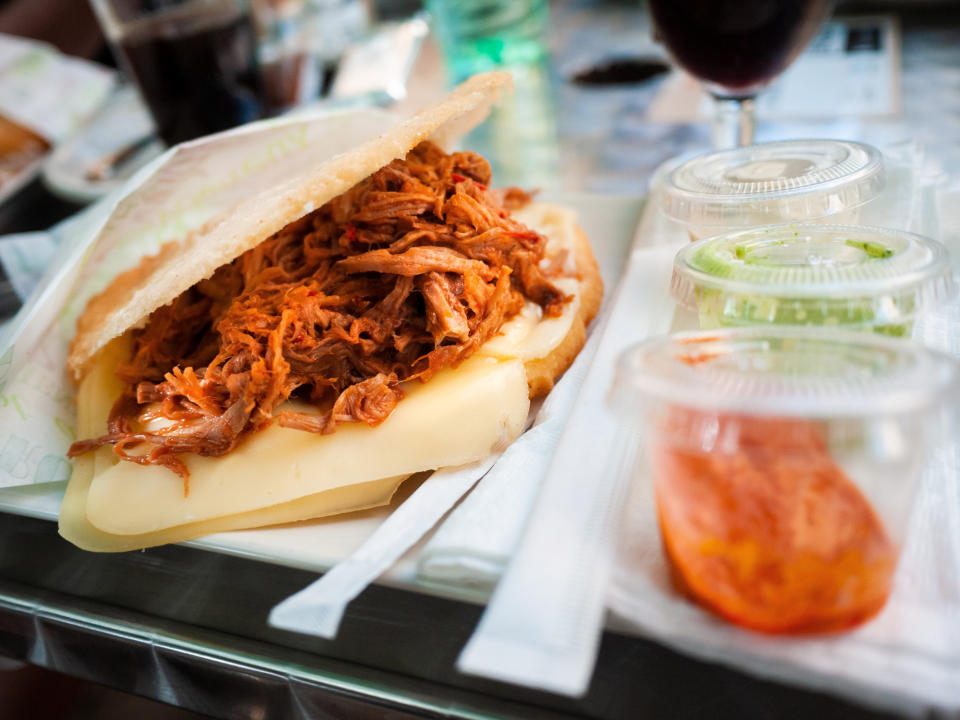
(528, 234)
(457, 177)
(698, 359)
(351, 232)
(312, 293)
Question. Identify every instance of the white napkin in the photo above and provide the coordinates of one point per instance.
(474, 544)
(318, 608)
(46, 91)
(535, 632)
(542, 625)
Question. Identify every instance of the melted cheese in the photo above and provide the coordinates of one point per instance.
(557, 223)
(281, 475)
(530, 336)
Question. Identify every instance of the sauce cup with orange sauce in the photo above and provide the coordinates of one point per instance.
(784, 464)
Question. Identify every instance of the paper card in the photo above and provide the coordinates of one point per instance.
(852, 68)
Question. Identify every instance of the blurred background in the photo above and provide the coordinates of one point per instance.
(600, 103)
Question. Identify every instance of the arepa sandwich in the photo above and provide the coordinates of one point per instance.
(388, 314)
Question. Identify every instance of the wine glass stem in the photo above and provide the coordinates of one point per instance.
(733, 122)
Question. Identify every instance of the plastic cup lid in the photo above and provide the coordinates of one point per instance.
(785, 372)
(821, 274)
(778, 182)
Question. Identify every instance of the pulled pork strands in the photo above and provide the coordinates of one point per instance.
(406, 273)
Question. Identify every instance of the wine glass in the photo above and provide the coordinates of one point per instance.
(736, 48)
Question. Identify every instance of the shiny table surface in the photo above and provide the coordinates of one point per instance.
(189, 627)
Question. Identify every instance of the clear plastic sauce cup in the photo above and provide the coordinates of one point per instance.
(784, 464)
(772, 183)
(854, 277)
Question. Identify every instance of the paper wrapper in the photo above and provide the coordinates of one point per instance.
(50, 93)
(180, 191)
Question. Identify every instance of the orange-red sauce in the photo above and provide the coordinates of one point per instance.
(766, 530)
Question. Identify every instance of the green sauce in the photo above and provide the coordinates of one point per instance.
(873, 249)
(727, 308)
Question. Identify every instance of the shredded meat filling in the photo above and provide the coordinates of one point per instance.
(406, 273)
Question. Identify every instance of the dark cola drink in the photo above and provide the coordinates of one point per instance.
(736, 46)
(197, 68)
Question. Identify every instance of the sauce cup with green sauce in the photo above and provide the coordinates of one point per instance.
(847, 276)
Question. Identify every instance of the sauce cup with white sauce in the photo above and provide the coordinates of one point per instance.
(772, 183)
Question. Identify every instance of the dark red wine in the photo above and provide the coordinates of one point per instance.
(197, 74)
(736, 46)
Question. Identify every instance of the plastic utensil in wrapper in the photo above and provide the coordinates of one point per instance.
(784, 463)
(857, 278)
(772, 183)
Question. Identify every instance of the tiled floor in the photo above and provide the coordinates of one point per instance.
(33, 693)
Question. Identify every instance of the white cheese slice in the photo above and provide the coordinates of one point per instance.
(77, 528)
(94, 399)
(529, 335)
(559, 225)
(460, 416)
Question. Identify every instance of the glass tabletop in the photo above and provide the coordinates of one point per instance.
(188, 627)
